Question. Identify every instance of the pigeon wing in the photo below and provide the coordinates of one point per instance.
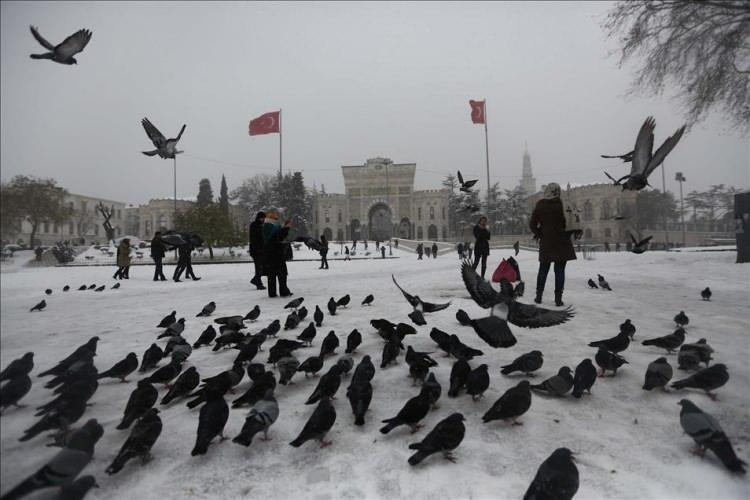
(479, 289)
(430, 308)
(644, 144)
(468, 184)
(39, 38)
(632, 238)
(180, 134)
(460, 177)
(529, 316)
(410, 298)
(153, 133)
(645, 240)
(664, 150)
(74, 44)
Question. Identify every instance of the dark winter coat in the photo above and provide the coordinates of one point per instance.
(123, 254)
(158, 248)
(434, 249)
(256, 239)
(548, 225)
(482, 243)
(274, 253)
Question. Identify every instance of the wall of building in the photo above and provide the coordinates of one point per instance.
(86, 222)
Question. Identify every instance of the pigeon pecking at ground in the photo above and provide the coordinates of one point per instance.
(658, 374)
(707, 379)
(444, 438)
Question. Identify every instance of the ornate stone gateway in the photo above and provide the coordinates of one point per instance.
(381, 226)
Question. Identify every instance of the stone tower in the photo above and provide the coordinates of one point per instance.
(528, 182)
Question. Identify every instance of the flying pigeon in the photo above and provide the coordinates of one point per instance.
(165, 148)
(418, 304)
(465, 185)
(626, 158)
(519, 314)
(640, 246)
(64, 52)
(706, 294)
(708, 434)
(445, 437)
(644, 160)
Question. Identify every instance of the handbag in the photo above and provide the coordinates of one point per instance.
(504, 270)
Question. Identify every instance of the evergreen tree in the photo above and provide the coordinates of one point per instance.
(205, 195)
(210, 222)
(224, 195)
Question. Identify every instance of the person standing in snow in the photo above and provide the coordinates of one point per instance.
(158, 249)
(460, 249)
(548, 225)
(346, 253)
(123, 260)
(323, 252)
(274, 261)
(434, 250)
(256, 249)
(482, 244)
(419, 251)
(382, 251)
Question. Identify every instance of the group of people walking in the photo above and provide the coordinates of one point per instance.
(427, 250)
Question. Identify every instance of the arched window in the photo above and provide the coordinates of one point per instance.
(328, 233)
(419, 213)
(605, 210)
(420, 234)
(587, 234)
(588, 210)
(432, 213)
(432, 232)
(339, 235)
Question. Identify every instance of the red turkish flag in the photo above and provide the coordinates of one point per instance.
(477, 111)
(266, 124)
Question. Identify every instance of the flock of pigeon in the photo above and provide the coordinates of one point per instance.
(75, 379)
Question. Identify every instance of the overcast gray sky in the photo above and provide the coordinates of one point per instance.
(354, 80)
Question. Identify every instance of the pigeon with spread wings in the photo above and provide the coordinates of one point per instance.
(640, 246)
(465, 185)
(644, 160)
(519, 314)
(165, 148)
(419, 305)
(64, 52)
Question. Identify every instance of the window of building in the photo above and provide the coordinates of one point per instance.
(605, 210)
(339, 216)
(83, 206)
(419, 215)
(119, 214)
(420, 234)
(588, 210)
(444, 217)
(70, 228)
(55, 228)
(432, 213)
(327, 218)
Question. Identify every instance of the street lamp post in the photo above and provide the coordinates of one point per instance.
(681, 178)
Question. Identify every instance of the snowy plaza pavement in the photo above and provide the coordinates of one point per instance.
(628, 442)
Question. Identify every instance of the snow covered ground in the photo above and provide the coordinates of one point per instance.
(629, 442)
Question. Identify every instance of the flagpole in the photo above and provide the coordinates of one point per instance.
(279, 144)
(487, 156)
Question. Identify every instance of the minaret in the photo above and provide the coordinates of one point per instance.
(528, 182)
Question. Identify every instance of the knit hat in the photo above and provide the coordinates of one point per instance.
(552, 190)
(260, 215)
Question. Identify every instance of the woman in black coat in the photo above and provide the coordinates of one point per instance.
(274, 258)
(482, 244)
(548, 225)
(323, 252)
(158, 248)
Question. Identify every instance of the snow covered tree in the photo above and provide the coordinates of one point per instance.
(700, 47)
(257, 193)
(224, 195)
(205, 195)
(36, 200)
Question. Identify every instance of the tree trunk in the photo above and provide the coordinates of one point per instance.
(33, 234)
(210, 251)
